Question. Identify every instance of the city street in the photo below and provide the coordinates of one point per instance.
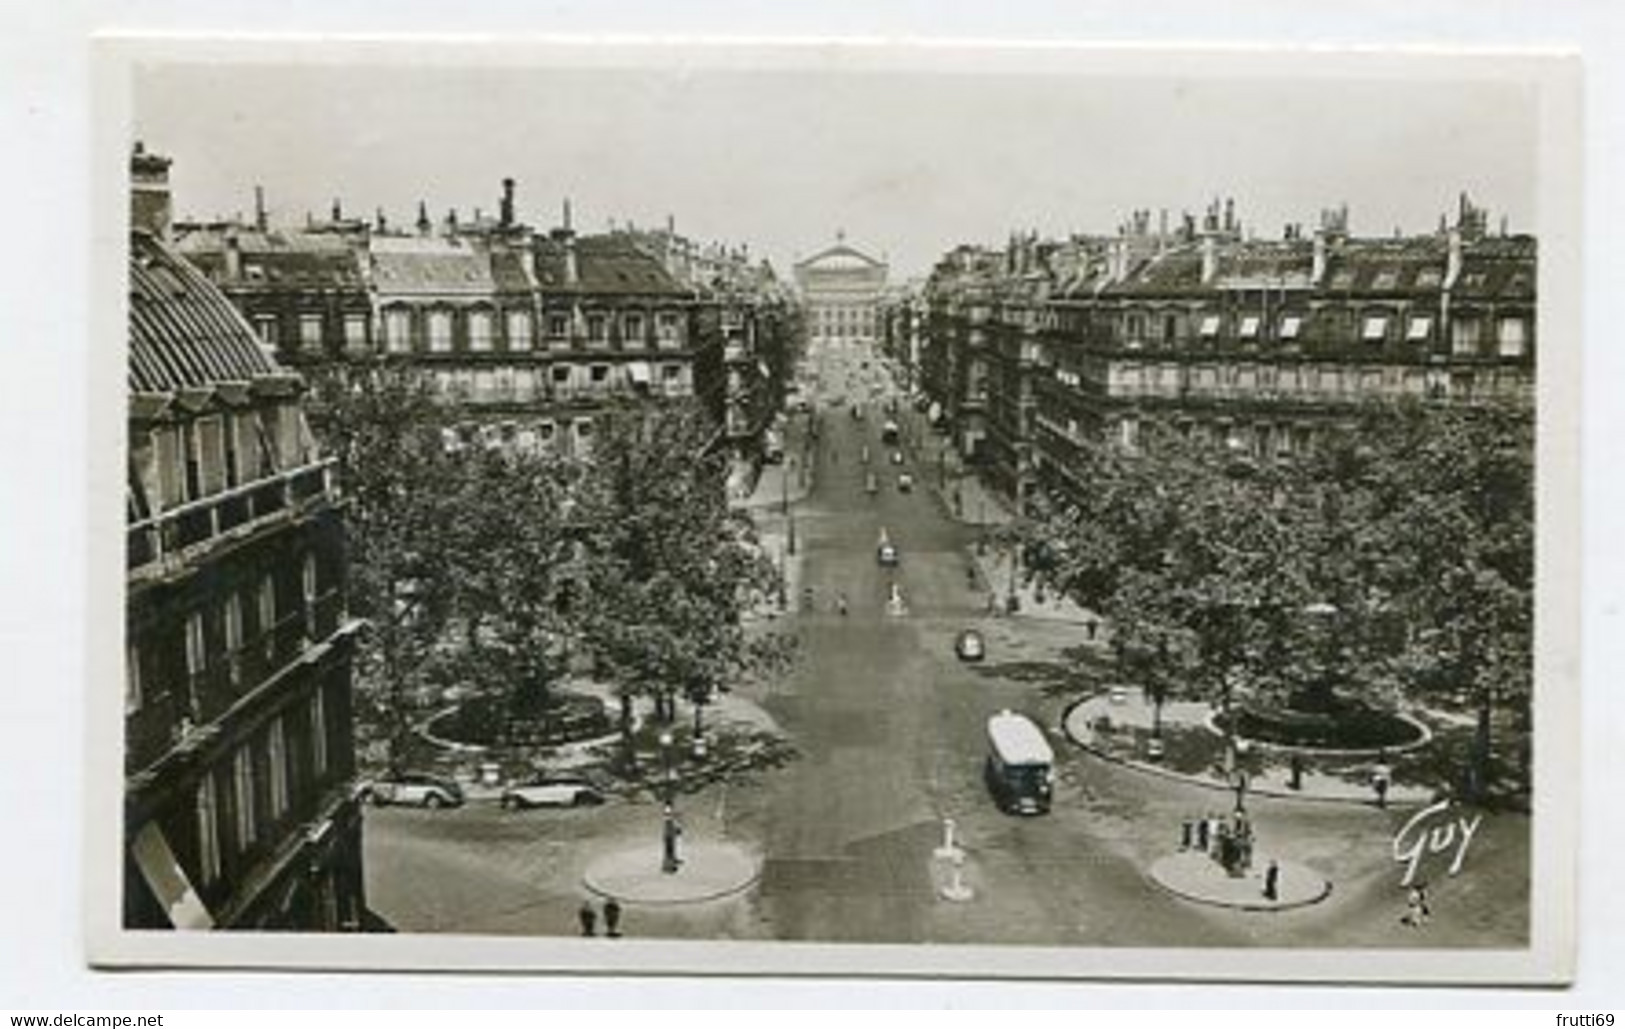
(889, 729)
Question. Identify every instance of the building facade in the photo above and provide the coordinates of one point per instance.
(240, 806)
(1039, 349)
(534, 335)
(841, 290)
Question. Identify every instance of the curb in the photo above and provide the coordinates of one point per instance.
(1213, 784)
(1251, 908)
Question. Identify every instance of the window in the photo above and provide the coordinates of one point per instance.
(355, 331)
(666, 327)
(596, 328)
(485, 385)
(671, 372)
(632, 330)
(234, 636)
(1210, 326)
(583, 429)
(440, 332)
(265, 327)
(546, 430)
(132, 679)
(310, 331)
(266, 602)
(242, 796)
(1375, 329)
(307, 589)
(318, 730)
(1128, 433)
(479, 330)
(398, 331)
(1419, 330)
(1510, 337)
(518, 330)
(1464, 337)
(558, 326)
(210, 441)
(197, 657)
(599, 374)
(524, 383)
(208, 831)
(1290, 325)
(561, 374)
(1249, 327)
(1385, 279)
(1429, 278)
(276, 757)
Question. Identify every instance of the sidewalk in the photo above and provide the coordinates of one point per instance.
(995, 567)
(773, 484)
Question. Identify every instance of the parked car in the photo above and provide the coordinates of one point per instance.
(551, 791)
(969, 646)
(419, 789)
(887, 555)
(905, 482)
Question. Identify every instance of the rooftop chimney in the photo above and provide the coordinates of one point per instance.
(572, 268)
(381, 223)
(234, 257)
(423, 219)
(1317, 269)
(506, 214)
(1210, 259)
(150, 201)
(259, 208)
(338, 211)
(1452, 270)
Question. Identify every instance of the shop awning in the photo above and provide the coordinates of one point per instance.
(167, 880)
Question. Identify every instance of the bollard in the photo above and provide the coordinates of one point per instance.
(949, 851)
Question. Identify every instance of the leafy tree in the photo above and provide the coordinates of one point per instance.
(387, 430)
(670, 570)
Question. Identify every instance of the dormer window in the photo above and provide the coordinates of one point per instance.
(1290, 326)
(1419, 330)
(1375, 329)
(1210, 326)
(1249, 327)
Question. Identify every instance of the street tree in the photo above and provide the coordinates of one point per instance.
(671, 571)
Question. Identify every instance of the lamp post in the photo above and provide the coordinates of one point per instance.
(670, 830)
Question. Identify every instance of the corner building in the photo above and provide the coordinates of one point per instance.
(239, 758)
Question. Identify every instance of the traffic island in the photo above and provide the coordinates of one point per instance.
(1197, 877)
(709, 871)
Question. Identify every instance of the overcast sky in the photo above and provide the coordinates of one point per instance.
(907, 164)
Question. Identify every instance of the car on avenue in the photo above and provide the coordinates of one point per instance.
(905, 482)
(887, 555)
(969, 646)
(551, 791)
(412, 789)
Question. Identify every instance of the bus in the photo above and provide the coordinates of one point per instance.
(1018, 768)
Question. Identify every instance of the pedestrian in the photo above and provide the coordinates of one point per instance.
(840, 602)
(1204, 833)
(1381, 775)
(1416, 907)
(1297, 771)
(589, 918)
(612, 917)
(1272, 881)
(1185, 831)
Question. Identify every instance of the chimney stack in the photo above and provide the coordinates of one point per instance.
(1317, 269)
(1452, 270)
(423, 218)
(338, 211)
(150, 200)
(234, 257)
(506, 214)
(1210, 258)
(260, 221)
(380, 222)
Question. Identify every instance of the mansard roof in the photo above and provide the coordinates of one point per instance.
(184, 333)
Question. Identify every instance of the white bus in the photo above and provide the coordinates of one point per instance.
(1018, 768)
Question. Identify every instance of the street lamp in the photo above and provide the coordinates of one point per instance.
(670, 830)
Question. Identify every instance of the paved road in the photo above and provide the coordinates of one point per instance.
(888, 725)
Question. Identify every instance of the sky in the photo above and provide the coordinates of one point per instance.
(907, 164)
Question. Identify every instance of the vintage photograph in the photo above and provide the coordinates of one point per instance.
(839, 509)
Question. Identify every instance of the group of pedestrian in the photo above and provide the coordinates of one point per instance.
(588, 916)
(1229, 841)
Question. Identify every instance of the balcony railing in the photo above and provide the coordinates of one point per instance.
(210, 518)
